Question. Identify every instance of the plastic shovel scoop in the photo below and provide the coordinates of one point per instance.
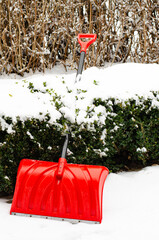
(60, 190)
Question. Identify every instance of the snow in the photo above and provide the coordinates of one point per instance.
(130, 201)
(141, 150)
(130, 211)
(122, 81)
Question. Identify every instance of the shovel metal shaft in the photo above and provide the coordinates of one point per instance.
(81, 63)
(78, 78)
(84, 46)
(64, 149)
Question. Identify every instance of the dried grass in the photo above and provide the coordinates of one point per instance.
(35, 35)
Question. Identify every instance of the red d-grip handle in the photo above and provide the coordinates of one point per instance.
(85, 45)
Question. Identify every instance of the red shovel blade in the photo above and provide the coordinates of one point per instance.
(76, 194)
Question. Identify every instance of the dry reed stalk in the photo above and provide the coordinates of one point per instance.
(144, 36)
(38, 34)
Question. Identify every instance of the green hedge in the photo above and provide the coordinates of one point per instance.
(127, 139)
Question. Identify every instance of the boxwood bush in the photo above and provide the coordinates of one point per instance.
(127, 139)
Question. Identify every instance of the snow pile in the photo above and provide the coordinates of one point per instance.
(130, 211)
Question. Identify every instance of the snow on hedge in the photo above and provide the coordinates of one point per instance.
(54, 92)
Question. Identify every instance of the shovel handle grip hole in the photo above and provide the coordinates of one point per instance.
(84, 45)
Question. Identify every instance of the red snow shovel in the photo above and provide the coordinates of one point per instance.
(60, 190)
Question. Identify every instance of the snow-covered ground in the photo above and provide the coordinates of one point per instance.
(130, 206)
(130, 211)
